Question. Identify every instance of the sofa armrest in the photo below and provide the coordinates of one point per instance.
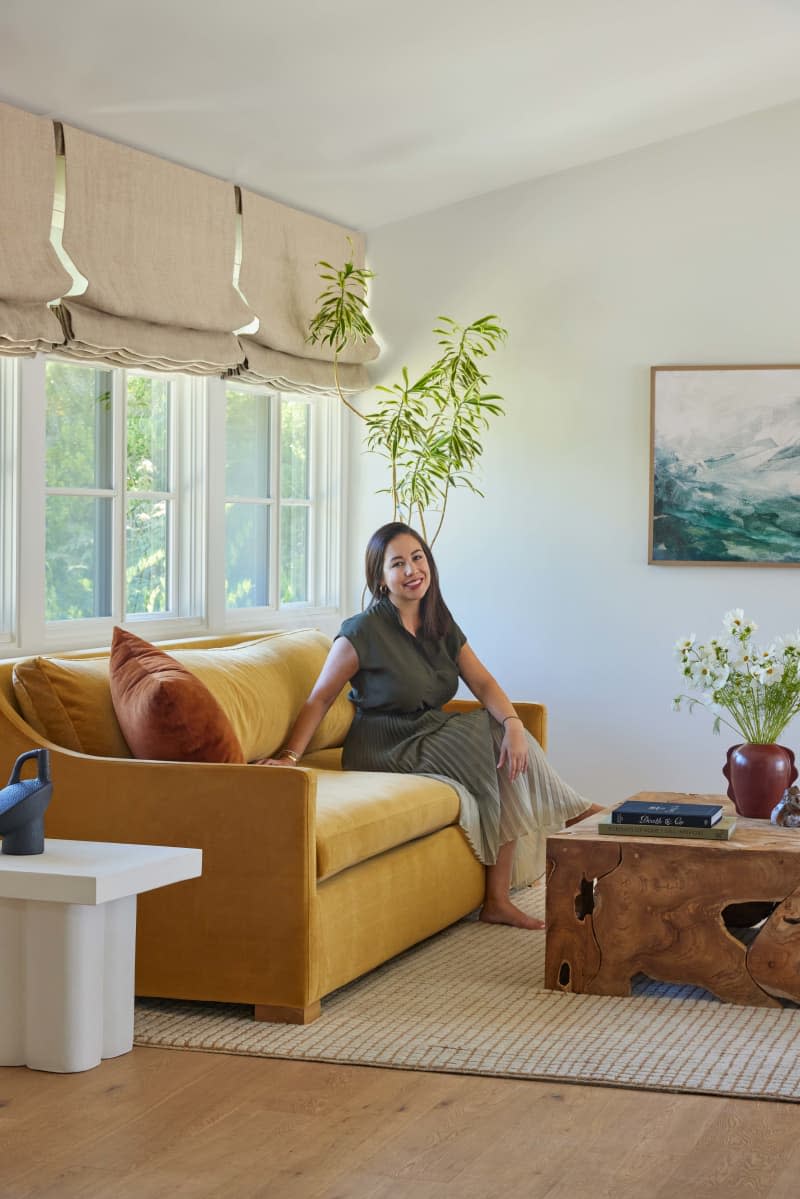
(244, 930)
(533, 716)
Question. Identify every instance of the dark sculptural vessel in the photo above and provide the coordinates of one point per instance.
(22, 806)
(757, 777)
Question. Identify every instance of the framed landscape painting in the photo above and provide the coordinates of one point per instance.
(725, 465)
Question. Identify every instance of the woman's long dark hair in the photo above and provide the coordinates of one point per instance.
(434, 612)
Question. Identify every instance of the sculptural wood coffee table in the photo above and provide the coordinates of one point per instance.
(618, 906)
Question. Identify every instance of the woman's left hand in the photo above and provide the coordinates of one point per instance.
(514, 749)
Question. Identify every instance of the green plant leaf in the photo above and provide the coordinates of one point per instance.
(428, 430)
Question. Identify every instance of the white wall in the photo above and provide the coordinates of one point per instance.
(685, 252)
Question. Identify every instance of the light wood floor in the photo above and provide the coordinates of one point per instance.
(160, 1123)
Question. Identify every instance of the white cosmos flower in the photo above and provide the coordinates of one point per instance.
(790, 644)
(727, 672)
(722, 673)
(769, 672)
(684, 646)
(703, 674)
(743, 659)
(737, 625)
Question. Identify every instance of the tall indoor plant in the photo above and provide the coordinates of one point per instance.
(428, 429)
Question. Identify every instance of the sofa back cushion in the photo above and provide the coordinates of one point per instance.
(260, 686)
(68, 701)
(164, 710)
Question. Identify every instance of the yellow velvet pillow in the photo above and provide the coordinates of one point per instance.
(261, 686)
(164, 710)
(67, 700)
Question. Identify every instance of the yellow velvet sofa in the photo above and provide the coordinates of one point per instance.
(311, 876)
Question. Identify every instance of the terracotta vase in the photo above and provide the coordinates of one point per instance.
(757, 777)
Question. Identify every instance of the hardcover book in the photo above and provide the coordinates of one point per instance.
(721, 831)
(680, 815)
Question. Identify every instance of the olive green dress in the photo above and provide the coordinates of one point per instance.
(399, 689)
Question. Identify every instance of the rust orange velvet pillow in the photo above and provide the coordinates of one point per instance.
(165, 712)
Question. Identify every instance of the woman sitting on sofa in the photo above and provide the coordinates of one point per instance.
(403, 657)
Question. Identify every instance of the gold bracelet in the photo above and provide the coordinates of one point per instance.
(289, 753)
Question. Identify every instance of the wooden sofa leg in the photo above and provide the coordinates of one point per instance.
(287, 1015)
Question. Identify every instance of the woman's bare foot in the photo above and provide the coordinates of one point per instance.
(508, 913)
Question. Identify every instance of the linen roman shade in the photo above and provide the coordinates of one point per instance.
(156, 242)
(280, 280)
(30, 273)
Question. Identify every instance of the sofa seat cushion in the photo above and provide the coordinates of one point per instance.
(323, 759)
(362, 813)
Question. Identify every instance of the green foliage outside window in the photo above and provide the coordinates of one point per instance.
(147, 517)
(80, 516)
(247, 484)
(80, 526)
(295, 435)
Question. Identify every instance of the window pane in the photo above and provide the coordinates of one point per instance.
(146, 549)
(246, 555)
(78, 557)
(148, 434)
(294, 449)
(247, 444)
(79, 426)
(294, 555)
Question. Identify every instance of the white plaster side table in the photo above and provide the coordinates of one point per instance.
(67, 948)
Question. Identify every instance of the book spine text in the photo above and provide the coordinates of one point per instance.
(663, 821)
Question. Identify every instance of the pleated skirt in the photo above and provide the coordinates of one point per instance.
(462, 748)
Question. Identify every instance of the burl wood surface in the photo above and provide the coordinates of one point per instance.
(619, 906)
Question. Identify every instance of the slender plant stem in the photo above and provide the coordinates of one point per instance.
(445, 496)
(346, 402)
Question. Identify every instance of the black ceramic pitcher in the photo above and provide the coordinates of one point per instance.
(22, 806)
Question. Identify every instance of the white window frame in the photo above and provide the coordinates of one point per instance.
(325, 504)
(311, 504)
(186, 526)
(187, 565)
(199, 482)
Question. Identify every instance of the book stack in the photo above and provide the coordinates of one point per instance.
(637, 818)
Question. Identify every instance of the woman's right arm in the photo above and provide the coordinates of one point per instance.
(340, 666)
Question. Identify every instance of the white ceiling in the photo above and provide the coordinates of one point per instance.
(370, 112)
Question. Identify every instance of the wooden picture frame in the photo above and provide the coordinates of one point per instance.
(724, 466)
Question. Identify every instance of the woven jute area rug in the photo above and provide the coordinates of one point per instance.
(471, 1001)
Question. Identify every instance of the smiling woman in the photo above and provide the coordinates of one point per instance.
(404, 657)
(406, 571)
